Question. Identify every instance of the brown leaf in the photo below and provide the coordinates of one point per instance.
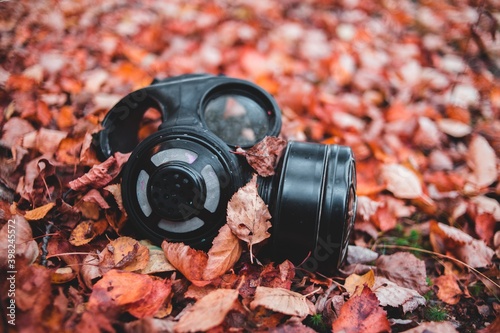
(453, 127)
(95, 196)
(405, 270)
(118, 291)
(446, 239)
(247, 214)
(224, 253)
(100, 175)
(362, 314)
(90, 269)
(354, 283)
(191, 263)
(116, 191)
(389, 293)
(264, 156)
(448, 289)
(483, 161)
(23, 240)
(128, 254)
(39, 213)
(208, 312)
(401, 181)
(283, 301)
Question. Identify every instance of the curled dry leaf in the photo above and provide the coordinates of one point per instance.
(190, 262)
(95, 196)
(247, 214)
(404, 269)
(90, 269)
(40, 212)
(483, 162)
(446, 239)
(100, 175)
(401, 181)
(283, 301)
(118, 291)
(208, 312)
(390, 294)
(354, 283)
(360, 255)
(264, 156)
(448, 289)
(362, 314)
(433, 327)
(116, 191)
(224, 253)
(25, 245)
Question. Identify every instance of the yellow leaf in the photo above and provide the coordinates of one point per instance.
(354, 283)
(39, 213)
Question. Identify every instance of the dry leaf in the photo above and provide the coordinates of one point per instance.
(360, 255)
(453, 127)
(224, 253)
(264, 156)
(446, 239)
(24, 243)
(401, 181)
(247, 214)
(90, 269)
(128, 254)
(116, 191)
(405, 270)
(191, 263)
(389, 293)
(100, 175)
(157, 262)
(448, 289)
(83, 233)
(39, 213)
(354, 283)
(208, 312)
(141, 295)
(283, 301)
(362, 314)
(95, 196)
(483, 161)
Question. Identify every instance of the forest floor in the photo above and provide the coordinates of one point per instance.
(411, 86)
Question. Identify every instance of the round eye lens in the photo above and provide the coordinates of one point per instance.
(236, 119)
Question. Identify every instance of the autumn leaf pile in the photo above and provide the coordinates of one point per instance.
(412, 86)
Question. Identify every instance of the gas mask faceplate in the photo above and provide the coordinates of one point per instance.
(178, 181)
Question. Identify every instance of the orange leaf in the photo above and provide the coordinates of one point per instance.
(208, 312)
(224, 253)
(448, 289)
(190, 262)
(39, 213)
(354, 283)
(362, 314)
(283, 301)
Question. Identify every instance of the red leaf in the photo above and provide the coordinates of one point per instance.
(264, 156)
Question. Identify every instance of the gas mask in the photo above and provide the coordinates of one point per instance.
(178, 181)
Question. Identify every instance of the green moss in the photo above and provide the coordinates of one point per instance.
(435, 313)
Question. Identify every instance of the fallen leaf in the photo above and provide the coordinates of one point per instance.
(362, 314)
(39, 213)
(453, 127)
(118, 291)
(354, 283)
(128, 254)
(283, 301)
(116, 191)
(404, 269)
(446, 239)
(360, 255)
(247, 214)
(190, 262)
(448, 289)
(263, 157)
(157, 262)
(95, 196)
(90, 269)
(208, 312)
(390, 294)
(23, 240)
(483, 162)
(83, 233)
(224, 253)
(494, 327)
(401, 181)
(100, 175)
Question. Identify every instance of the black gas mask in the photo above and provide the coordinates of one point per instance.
(178, 181)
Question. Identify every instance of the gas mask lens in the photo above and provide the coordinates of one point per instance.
(178, 181)
(238, 120)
